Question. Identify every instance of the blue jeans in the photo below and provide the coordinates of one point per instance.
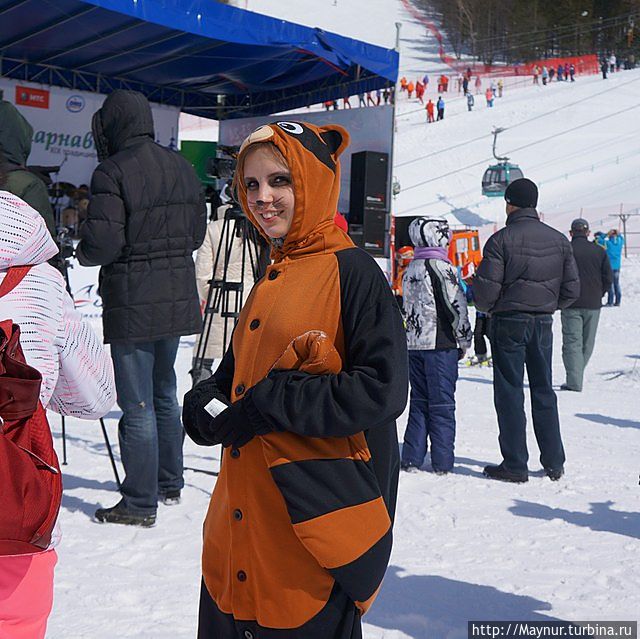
(150, 430)
(615, 294)
(519, 340)
(432, 408)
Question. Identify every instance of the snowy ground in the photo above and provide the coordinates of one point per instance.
(466, 547)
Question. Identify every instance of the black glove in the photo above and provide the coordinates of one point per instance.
(194, 416)
(235, 426)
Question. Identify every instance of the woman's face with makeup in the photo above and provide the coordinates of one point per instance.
(270, 195)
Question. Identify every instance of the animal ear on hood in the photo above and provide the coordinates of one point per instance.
(336, 138)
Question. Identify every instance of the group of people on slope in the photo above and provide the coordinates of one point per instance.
(369, 98)
(563, 72)
(432, 108)
(528, 271)
(495, 89)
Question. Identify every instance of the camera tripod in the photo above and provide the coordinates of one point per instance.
(64, 266)
(226, 297)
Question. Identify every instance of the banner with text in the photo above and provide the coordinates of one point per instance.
(61, 121)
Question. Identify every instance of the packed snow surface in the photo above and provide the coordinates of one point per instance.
(465, 547)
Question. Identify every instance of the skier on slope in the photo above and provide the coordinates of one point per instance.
(470, 102)
(430, 109)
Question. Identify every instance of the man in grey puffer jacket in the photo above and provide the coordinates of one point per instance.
(527, 273)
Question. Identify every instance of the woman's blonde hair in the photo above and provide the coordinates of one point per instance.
(270, 147)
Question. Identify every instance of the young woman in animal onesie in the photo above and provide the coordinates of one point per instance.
(298, 533)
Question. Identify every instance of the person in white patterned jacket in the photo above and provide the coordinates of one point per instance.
(438, 334)
(77, 380)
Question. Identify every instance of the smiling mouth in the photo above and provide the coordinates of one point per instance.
(269, 215)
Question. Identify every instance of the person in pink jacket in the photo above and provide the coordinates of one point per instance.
(77, 380)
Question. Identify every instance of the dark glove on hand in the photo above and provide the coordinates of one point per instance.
(235, 426)
(195, 418)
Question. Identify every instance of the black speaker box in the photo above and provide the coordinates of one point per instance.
(369, 184)
(372, 234)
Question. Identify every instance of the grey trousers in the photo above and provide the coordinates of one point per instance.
(579, 326)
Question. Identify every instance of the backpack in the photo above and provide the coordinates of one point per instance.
(30, 478)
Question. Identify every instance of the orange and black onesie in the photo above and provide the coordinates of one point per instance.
(298, 533)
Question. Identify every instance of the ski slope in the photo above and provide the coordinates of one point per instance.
(465, 547)
(578, 141)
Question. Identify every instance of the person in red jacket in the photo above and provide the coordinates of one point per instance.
(410, 88)
(430, 109)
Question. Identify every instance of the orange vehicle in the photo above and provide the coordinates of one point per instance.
(464, 247)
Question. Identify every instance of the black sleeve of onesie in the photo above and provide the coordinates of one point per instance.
(371, 390)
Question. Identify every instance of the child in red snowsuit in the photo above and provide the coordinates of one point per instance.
(430, 111)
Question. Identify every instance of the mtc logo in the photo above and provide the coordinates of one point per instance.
(38, 98)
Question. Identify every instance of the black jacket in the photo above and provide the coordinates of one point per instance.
(146, 217)
(595, 272)
(15, 144)
(527, 267)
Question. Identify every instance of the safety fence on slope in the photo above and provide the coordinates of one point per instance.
(583, 64)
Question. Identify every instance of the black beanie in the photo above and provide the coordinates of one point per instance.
(522, 193)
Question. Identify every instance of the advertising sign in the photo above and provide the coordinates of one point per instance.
(26, 96)
(61, 121)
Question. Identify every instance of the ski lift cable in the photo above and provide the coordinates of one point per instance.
(602, 163)
(547, 163)
(516, 125)
(520, 148)
(560, 33)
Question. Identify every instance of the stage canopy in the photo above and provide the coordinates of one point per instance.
(205, 57)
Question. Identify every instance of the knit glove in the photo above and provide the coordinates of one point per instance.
(235, 426)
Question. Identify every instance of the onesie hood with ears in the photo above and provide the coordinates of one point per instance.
(311, 153)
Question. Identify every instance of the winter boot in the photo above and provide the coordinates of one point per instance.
(118, 514)
(554, 473)
(501, 473)
(408, 468)
(170, 498)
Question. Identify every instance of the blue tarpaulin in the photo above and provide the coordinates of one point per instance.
(208, 58)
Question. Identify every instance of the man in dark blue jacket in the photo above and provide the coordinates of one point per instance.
(580, 320)
(526, 274)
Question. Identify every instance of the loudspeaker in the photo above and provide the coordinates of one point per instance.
(369, 184)
(372, 234)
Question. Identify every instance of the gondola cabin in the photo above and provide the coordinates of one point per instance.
(497, 178)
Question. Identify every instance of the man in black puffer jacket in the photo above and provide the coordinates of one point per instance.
(146, 217)
(580, 320)
(527, 272)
